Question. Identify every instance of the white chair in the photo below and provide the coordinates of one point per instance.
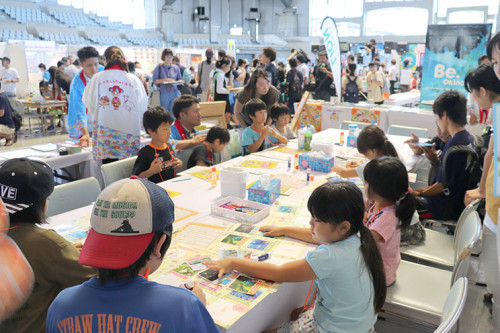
(406, 131)
(73, 195)
(345, 124)
(114, 171)
(455, 303)
(442, 250)
(420, 292)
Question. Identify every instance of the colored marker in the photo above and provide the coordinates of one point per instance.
(263, 257)
(181, 180)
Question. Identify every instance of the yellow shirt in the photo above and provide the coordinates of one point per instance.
(492, 202)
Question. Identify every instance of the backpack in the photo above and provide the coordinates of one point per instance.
(295, 88)
(351, 91)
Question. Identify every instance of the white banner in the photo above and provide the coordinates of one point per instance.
(332, 45)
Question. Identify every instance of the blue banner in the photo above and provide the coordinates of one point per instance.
(451, 51)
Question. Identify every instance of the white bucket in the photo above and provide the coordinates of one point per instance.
(233, 182)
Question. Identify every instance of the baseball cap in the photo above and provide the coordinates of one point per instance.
(123, 221)
(24, 182)
(5, 58)
(209, 53)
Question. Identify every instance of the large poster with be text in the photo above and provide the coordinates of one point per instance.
(451, 51)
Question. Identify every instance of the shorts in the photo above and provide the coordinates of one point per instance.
(305, 324)
(6, 130)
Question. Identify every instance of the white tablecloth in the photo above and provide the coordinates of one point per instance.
(334, 115)
(406, 98)
(198, 195)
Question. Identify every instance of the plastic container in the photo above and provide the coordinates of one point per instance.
(233, 182)
(307, 140)
(301, 137)
(353, 129)
(216, 209)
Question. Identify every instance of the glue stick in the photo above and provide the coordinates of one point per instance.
(213, 177)
(342, 138)
(296, 162)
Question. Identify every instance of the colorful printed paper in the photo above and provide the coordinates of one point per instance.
(365, 116)
(258, 164)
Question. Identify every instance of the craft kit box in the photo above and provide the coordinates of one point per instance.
(316, 162)
(265, 194)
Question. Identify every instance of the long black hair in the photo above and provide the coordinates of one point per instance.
(373, 137)
(388, 178)
(342, 201)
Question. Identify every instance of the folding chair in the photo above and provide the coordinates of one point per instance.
(73, 195)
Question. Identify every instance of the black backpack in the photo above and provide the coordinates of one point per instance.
(351, 91)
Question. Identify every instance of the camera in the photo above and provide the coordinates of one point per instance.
(166, 165)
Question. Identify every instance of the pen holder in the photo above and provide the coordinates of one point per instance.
(219, 208)
(233, 182)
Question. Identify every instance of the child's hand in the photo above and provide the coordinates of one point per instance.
(266, 130)
(177, 163)
(272, 132)
(272, 231)
(353, 164)
(197, 291)
(155, 166)
(223, 266)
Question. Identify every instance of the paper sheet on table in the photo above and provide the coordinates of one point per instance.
(45, 147)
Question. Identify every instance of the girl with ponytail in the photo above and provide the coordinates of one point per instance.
(391, 208)
(372, 143)
(347, 268)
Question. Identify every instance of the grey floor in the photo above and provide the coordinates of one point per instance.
(475, 317)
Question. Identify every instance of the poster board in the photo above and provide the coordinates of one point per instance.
(451, 51)
(362, 115)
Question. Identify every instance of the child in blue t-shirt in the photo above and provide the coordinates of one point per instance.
(259, 136)
(347, 268)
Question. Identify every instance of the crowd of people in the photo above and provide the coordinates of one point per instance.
(359, 234)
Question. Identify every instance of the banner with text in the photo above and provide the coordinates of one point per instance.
(332, 46)
(451, 51)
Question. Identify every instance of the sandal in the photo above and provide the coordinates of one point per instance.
(11, 141)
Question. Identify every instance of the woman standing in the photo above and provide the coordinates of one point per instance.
(219, 83)
(162, 75)
(204, 69)
(116, 101)
(258, 87)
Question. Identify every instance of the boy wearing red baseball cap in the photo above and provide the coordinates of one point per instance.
(131, 231)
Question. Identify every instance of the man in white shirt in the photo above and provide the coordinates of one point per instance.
(393, 74)
(8, 77)
(303, 68)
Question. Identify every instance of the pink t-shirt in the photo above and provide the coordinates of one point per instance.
(385, 223)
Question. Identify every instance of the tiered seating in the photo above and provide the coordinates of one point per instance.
(108, 40)
(25, 15)
(105, 22)
(73, 19)
(63, 38)
(146, 41)
(192, 39)
(15, 34)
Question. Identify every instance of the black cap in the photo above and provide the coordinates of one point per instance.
(6, 59)
(24, 182)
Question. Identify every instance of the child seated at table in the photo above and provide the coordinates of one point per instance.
(372, 143)
(204, 154)
(126, 250)
(347, 268)
(26, 187)
(156, 161)
(259, 136)
(280, 115)
(390, 208)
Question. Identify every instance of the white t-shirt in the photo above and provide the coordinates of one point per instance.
(405, 76)
(71, 70)
(305, 71)
(393, 73)
(8, 74)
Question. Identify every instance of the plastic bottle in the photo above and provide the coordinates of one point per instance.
(213, 177)
(296, 162)
(307, 140)
(300, 137)
(342, 138)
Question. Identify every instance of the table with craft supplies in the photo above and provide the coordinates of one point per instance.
(324, 115)
(236, 302)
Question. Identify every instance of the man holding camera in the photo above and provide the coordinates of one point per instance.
(324, 79)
